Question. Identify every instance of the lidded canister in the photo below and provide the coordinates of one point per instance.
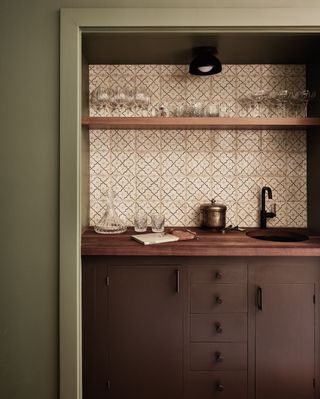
(213, 215)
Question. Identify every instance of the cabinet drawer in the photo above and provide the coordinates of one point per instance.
(219, 274)
(218, 356)
(218, 327)
(207, 298)
(219, 384)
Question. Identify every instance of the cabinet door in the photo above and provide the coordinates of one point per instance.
(285, 347)
(145, 319)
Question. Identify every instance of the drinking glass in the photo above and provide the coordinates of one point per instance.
(140, 222)
(211, 110)
(157, 222)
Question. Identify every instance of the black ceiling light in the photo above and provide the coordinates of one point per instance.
(205, 63)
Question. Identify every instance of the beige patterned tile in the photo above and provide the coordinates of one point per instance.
(271, 70)
(151, 70)
(224, 88)
(125, 211)
(224, 140)
(149, 85)
(247, 70)
(198, 188)
(248, 214)
(249, 190)
(199, 163)
(123, 162)
(148, 163)
(171, 70)
(294, 84)
(224, 163)
(297, 70)
(174, 213)
(273, 83)
(173, 187)
(173, 89)
(173, 163)
(100, 140)
(273, 164)
(100, 162)
(192, 214)
(148, 187)
(296, 189)
(175, 171)
(197, 91)
(148, 140)
(232, 213)
(248, 163)
(123, 140)
(198, 140)
(296, 214)
(230, 70)
(123, 187)
(249, 140)
(173, 140)
(225, 188)
(248, 84)
(296, 164)
(273, 140)
(296, 141)
(149, 207)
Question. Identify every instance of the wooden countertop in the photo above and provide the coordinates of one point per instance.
(233, 243)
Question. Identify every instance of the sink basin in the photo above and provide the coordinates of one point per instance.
(276, 235)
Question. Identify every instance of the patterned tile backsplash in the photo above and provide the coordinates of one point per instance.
(174, 171)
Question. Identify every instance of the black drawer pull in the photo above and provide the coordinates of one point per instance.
(218, 357)
(259, 298)
(219, 300)
(219, 275)
(219, 386)
(218, 328)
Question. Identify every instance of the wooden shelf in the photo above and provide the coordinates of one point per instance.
(199, 123)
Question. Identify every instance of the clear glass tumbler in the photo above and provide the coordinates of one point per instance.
(157, 222)
(140, 222)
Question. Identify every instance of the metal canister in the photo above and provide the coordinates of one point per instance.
(213, 215)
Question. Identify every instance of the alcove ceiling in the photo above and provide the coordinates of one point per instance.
(176, 47)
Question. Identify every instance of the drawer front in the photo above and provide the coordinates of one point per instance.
(218, 356)
(212, 298)
(219, 384)
(218, 327)
(219, 274)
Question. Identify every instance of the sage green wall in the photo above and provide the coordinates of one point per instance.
(29, 153)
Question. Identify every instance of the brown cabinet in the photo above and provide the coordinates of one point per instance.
(285, 349)
(156, 330)
(143, 341)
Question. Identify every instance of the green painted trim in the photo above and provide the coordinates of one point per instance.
(70, 227)
(73, 22)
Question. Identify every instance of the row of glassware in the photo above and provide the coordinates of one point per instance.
(282, 103)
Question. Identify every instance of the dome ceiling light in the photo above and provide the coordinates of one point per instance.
(205, 63)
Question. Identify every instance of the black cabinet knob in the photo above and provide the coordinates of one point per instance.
(218, 275)
(219, 300)
(218, 357)
(218, 328)
(219, 386)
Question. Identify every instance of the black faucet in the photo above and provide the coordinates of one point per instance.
(264, 215)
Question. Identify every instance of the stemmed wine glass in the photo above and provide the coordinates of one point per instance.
(257, 98)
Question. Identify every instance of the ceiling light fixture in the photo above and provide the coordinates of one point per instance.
(205, 63)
